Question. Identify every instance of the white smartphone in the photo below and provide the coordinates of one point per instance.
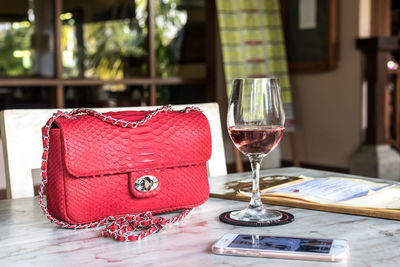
(282, 247)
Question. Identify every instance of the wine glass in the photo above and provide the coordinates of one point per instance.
(256, 125)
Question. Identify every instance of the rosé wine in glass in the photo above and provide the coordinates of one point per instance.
(256, 139)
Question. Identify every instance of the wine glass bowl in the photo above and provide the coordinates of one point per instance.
(256, 124)
(255, 140)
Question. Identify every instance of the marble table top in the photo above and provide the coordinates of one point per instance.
(27, 238)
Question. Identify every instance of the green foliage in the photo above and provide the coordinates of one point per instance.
(12, 40)
(108, 44)
(169, 24)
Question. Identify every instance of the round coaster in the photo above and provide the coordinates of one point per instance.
(286, 218)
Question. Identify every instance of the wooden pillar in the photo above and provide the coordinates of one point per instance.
(376, 158)
(60, 101)
(377, 52)
(152, 53)
(381, 18)
(211, 44)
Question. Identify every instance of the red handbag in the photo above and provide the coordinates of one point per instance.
(97, 167)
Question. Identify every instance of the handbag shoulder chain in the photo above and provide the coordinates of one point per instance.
(130, 227)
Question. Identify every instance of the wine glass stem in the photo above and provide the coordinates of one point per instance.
(255, 202)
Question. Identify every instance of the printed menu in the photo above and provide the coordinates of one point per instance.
(336, 194)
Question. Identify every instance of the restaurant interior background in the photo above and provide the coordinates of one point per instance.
(107, 53)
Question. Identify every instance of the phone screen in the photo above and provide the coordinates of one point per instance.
(281, 243)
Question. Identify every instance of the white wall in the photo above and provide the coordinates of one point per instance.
(328, 105)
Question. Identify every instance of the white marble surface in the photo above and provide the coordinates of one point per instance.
(28, 239)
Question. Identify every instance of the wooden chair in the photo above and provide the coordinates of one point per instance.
(22, 145)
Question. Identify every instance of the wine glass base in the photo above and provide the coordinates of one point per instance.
(260, 215)
(286, 218)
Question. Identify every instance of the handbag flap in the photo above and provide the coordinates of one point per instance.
(92, 147)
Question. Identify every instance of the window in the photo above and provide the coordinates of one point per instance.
(106, 52)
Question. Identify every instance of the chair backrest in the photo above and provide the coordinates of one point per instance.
(22, 144)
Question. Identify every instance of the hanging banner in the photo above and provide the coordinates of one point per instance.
(253, 45)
